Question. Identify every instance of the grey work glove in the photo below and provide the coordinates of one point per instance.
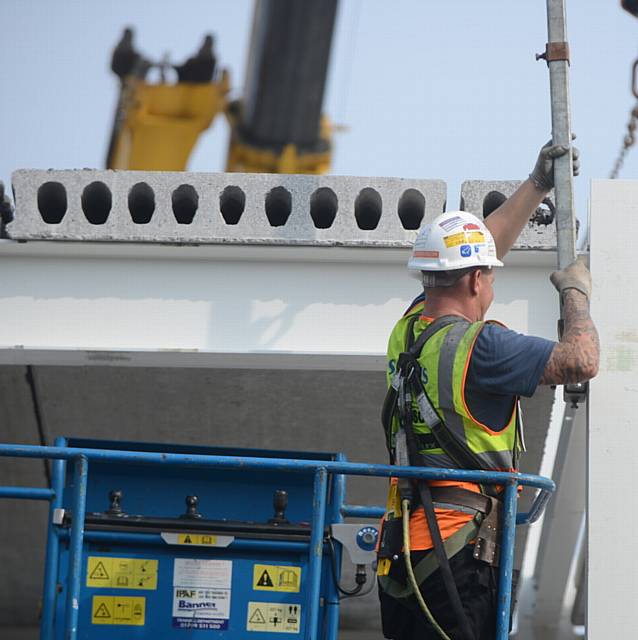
(543, 173)
(575, 276)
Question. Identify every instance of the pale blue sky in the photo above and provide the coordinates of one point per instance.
(438, 89)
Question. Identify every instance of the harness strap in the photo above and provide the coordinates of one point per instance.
(442, 560)
(418, 391)
(415, 348)
(440, 428)
(429, 564)
(462, 498)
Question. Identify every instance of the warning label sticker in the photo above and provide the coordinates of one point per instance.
(268, 577)
(196, 538)
(273, 617)
(201, 593)
(129, 610)
(123, 573)
(464, 237)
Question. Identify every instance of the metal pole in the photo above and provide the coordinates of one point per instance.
(316, 553)
(506, 563)
(74, 578)
(49, 597)
(561, 131)
(338, 494)
(26, 493)
(557, 56)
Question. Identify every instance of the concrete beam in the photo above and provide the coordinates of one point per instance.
(201, 208)
(481, 197)
(232, 306)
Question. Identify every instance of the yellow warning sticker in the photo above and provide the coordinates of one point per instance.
(275, 617)
(195, 538)
(464, 237)
(269, 577)
(118, 610)
(122, 573)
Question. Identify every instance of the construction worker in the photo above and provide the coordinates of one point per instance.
(454, 384)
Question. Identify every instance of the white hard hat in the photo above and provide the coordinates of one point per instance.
(454, 240)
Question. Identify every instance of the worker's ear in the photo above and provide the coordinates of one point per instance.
(475, 281)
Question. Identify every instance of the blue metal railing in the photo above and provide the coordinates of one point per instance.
(81, 458)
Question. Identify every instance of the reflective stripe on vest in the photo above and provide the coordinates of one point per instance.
(444, 361)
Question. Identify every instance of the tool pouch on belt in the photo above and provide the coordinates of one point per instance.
(487, 547)
(391, 542)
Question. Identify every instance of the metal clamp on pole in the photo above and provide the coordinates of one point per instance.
(557, 57)
(555, 51)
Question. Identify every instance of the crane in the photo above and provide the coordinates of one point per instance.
(276, 127)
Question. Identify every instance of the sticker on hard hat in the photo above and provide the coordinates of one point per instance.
(466, 251)
(426, 254)
(464, 238)
(452, 223)
(471, 226)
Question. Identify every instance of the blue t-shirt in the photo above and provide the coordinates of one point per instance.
(504, 364)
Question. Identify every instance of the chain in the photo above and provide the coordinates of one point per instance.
(628, 142)
(630, 137)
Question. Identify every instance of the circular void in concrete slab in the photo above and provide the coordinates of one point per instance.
(545, 214)
(52, 202)
(141, 203)
(492, 201)
(323, 207)
(96, 202)
(411, 209)
(232, 203)
(367, 209)
(278, 206)
(185, 201)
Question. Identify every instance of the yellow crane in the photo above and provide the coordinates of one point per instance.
(276, 127)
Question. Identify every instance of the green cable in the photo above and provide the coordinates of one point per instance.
(408, 565)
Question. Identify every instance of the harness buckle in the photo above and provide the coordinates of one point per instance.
(406, 365)
(487, 547)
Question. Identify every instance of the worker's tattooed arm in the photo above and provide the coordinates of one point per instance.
(575, 358)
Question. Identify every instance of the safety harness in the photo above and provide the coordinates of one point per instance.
(407, 387)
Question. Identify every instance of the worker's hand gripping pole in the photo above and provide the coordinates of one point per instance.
(557, 57)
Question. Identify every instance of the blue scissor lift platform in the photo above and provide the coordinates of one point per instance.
(169, 541)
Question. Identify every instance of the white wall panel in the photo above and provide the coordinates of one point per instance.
(613, 434)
